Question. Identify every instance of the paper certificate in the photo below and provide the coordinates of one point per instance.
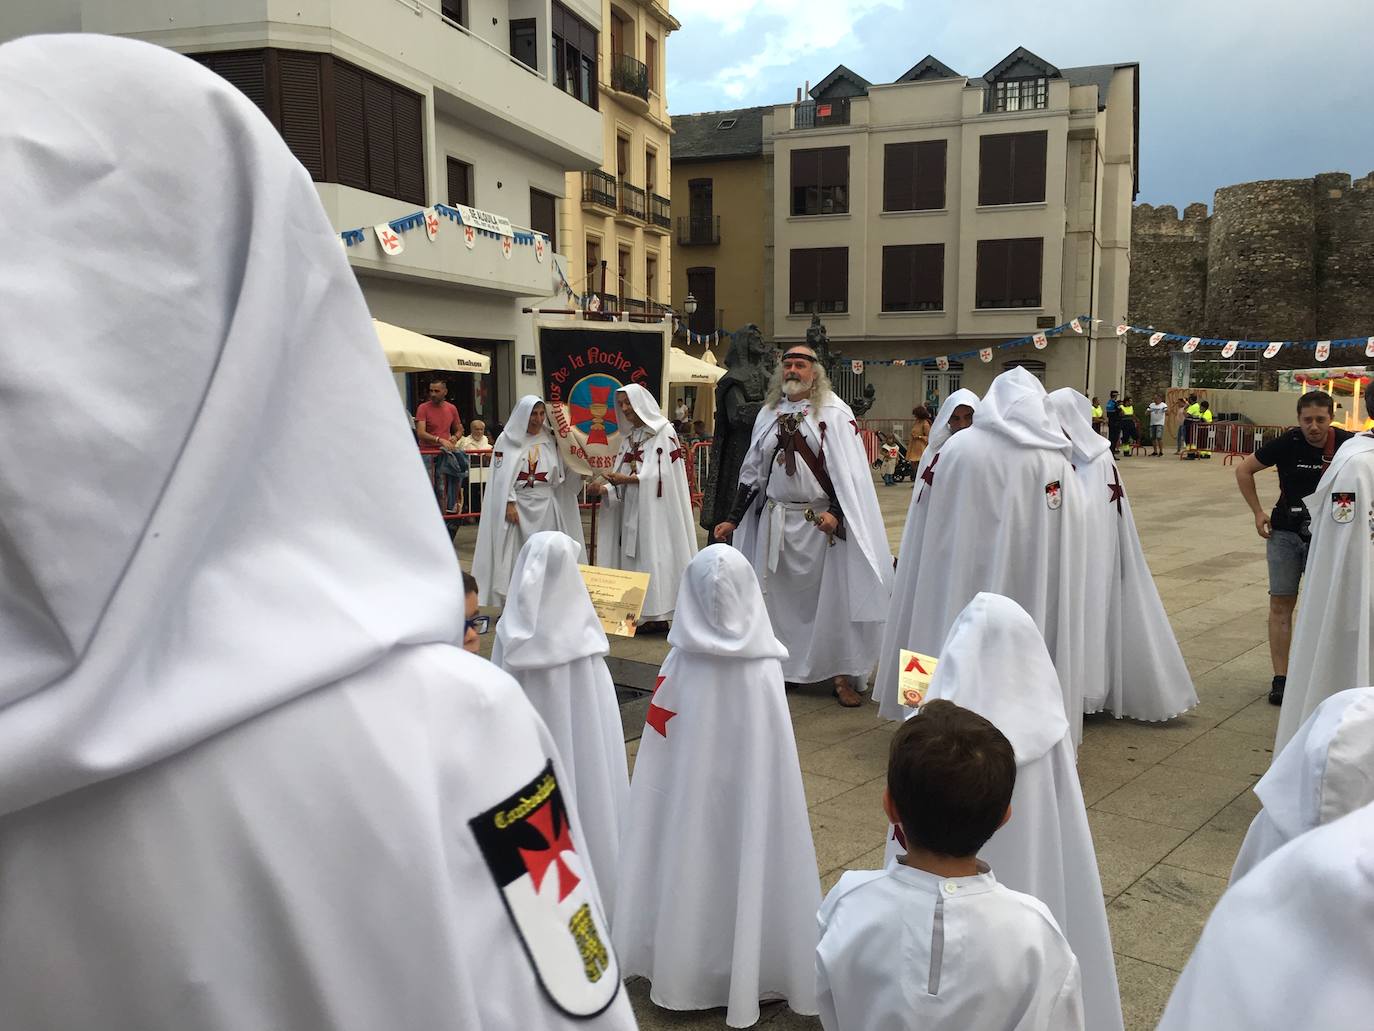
(913, 677)
(618, 597)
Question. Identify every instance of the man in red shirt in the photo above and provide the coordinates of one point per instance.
(438, 424)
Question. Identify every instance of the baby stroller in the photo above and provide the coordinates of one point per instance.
(903, 470)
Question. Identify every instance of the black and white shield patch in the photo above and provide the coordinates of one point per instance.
(1054, 497)
(528, 845)
(496, 457)
(1343, 506)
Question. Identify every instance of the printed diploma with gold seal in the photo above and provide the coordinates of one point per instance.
(914, 671)
(618, 597)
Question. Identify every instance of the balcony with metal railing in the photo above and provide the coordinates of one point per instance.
(815, 114)
(629, 75)
(631, 202)
(599, 190)
(660, 218)
(698, 231)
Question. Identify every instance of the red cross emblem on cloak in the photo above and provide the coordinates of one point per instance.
(855, 424)
(1115, 492)
(657, 716)
(633, 457)
(530, 476)
(537, 861)
(676, 453)
(929, 475)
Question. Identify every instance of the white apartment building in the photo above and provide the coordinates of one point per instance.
(944, 213)
(393, 106)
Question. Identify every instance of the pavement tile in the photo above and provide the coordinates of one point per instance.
(834, 722)
(1212, 848)
(861, 806)
(819, 788)
(1100, 777)
(857, 760)
(1225, 752)
(1145, 990)
(1183, 799)
(1128, 848)
(1216, 646)
(1159, 918)
(868, 861)
(1259, 717)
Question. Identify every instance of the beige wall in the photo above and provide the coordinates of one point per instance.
(647, 126)
(737, 191)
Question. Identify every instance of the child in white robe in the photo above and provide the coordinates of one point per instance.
(935, 942)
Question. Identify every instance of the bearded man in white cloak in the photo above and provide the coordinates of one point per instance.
(646, 520)
(539, 493)
(1333, 639)
(248, 779)
(806, 516)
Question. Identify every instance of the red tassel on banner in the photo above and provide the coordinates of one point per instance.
(660, 472)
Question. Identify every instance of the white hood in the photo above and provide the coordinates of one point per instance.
(1075, 415)
(189, 551)
(994, 662)
(720, 609)
(548, 619)
(515, 435)
(645, 407)
(1014, 407)
(939, 430)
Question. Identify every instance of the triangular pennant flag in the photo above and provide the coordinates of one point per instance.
(1369, 348)
(985, 354)
(1230, 348)
(902, 361)
(595, 305)
(1040, 341)
(506, 247)
(539, 249)
(1076, 326)
(856, 366)
(469, 236)
(1323, 350)
(1122, 329)
(389, 239)
(432, 224)
(1155, 338)
(942, 363)
(1191, 345)
(1273, 348)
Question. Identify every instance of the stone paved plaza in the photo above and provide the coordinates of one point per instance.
(1168, 803)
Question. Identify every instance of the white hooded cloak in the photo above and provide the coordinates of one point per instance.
(1325, 771)
(1289, 944)
(827, 603)
(899, 621)
(246, 778)
(1333, 637)
(529, 470)
(1132, 663)
(648, 526)
(550, 639)
(1007, 516)
(995, 663)
(718, 884)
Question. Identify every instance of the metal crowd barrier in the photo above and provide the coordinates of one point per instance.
(1233, 439)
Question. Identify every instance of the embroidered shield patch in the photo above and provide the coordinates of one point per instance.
(1053, 496)
(1342, 506)
(496, 457)
(527, 843)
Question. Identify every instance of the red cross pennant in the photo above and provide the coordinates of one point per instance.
(431, 222)
(657, 716)
(1115, 492)
(538, 860)
(389, 240)
(915, 664)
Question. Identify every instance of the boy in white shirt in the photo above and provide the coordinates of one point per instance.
(935, 942)
(1158, 410)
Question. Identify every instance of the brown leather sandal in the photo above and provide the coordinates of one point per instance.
(846, 695)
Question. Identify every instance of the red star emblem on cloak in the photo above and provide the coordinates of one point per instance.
(928, 476)
(1115, 492)
(855, 425)
(657, 716)
(538, 860)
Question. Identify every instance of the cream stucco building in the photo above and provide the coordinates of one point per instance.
(942, 213)
(619, 213)
(393, 106)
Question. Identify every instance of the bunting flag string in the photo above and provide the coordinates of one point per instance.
(1038, 339)
(1269, 348)
(389, 234)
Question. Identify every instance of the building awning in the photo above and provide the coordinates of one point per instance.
(407, 351)
(683, 368)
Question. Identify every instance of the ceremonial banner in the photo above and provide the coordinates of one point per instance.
(913, 677)
(618, 597)
(580, 367)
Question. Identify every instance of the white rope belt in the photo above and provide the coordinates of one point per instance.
(777, 517)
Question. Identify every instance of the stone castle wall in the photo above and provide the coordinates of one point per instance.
(1277, 259)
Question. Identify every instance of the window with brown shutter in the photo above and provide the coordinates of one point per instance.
(543, 217)
(819, 280)
(1009, 273)
(914, 176)
(701, 284)
(343, 124)
(459, 182)
(820, 181)
(914, 277)
(1011, 168)
(574, 55)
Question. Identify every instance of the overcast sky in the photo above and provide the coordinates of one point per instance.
(1231, 90)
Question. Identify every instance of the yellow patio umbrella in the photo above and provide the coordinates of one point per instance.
(408, 351)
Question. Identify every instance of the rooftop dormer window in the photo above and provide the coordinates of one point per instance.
(1027, 94)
